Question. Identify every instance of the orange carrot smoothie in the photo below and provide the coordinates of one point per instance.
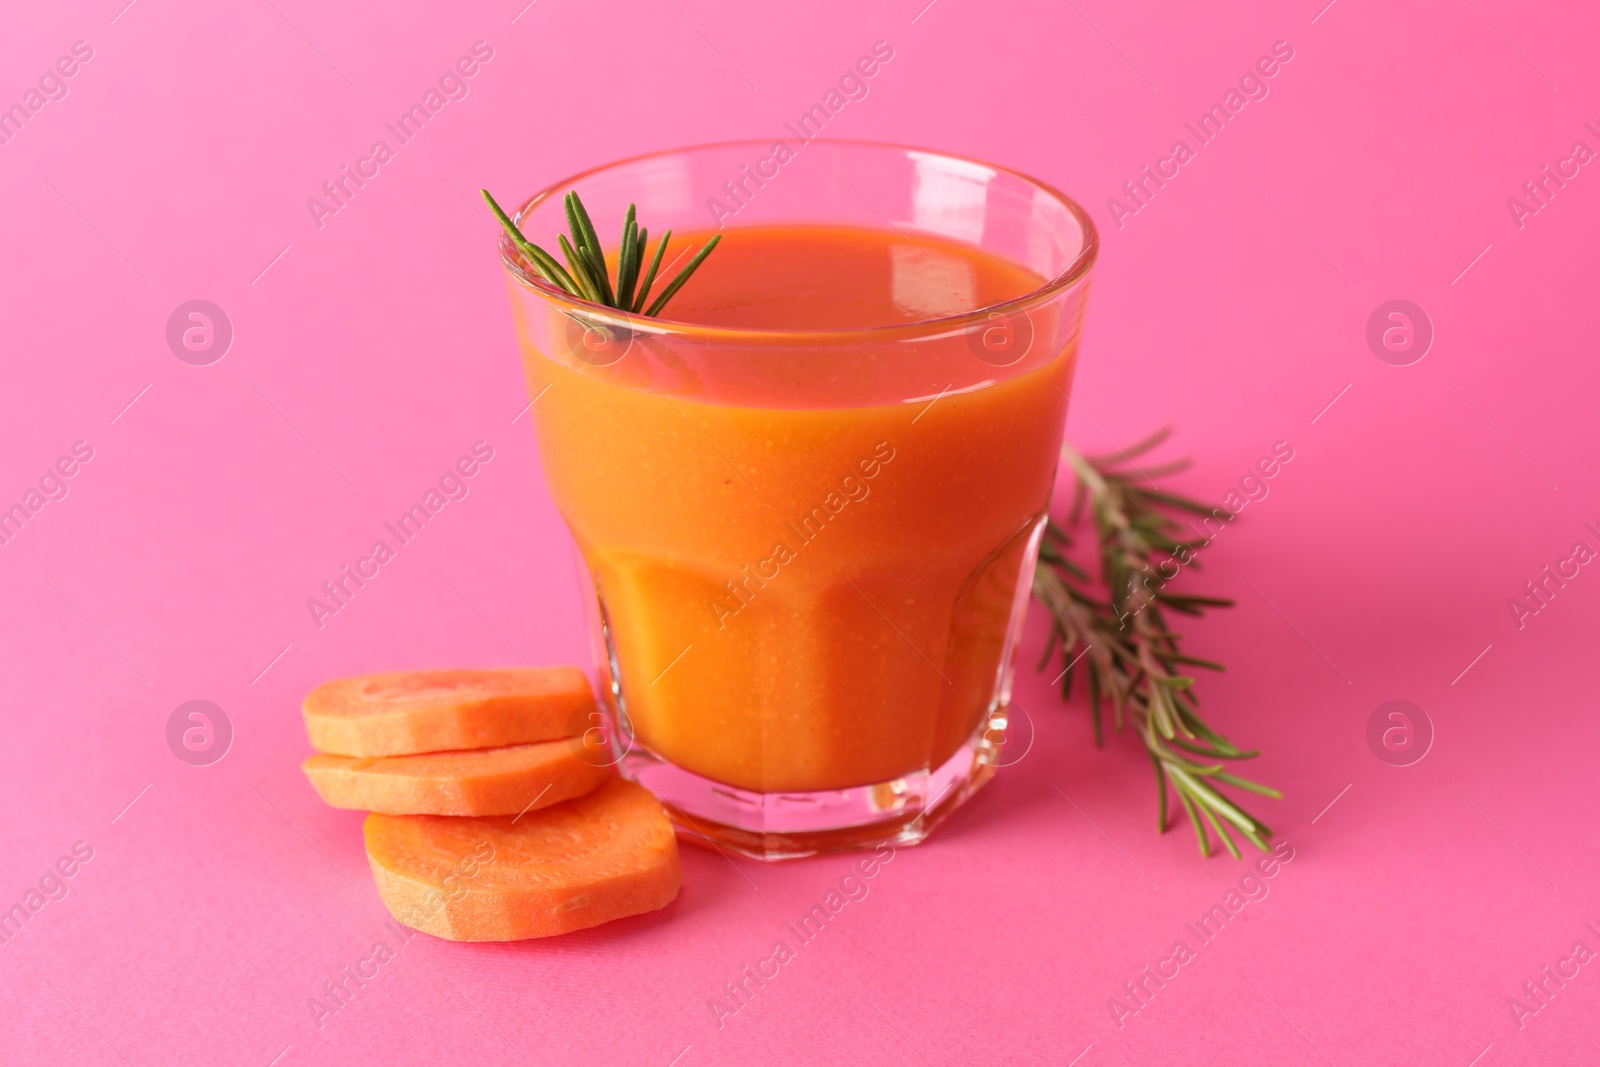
(808, 570)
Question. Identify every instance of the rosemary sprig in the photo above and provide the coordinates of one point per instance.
(585, 275)
(1123, 647)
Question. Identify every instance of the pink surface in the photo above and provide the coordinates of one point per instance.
(372, 351)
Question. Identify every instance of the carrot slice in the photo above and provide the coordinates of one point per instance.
(479, 781)
(587, 861)
(405, 712)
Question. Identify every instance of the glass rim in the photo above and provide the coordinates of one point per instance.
(943, 325)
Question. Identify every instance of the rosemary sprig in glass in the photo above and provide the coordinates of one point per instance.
(585, 275)
(1122, 645)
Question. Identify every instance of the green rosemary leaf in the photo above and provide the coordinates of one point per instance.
(553, 270)
(1120, 694)
(1079, 496)
(1227, 841)
(541, 261)
(1161, 793)
(1049, 646)
(1200, 769)
(1138, 448)
(1245, 783)
(589, 246)
(627, 260)
(1070, 567)
(1161, 712)
(1162, 470)
(580, 270)
(650, 275)
(1189, 746)
(1211, 736)
(1094, 707)
(1209, 665)
(683, 275)
(1185, 504)
(574, 227)
(1194, 820)
(584, 225)
(573, 248)
(1212, 800)
(586, 274)
(597, 264)
(641, 244)
(1255, 839)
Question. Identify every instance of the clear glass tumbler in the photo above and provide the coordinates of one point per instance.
(810, 551)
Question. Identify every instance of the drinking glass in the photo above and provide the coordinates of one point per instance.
(809, 552)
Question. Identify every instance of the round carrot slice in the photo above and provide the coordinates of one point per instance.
(479, 781)
(603, 856)
(405, 712)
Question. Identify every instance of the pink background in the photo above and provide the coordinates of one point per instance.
(377, 348)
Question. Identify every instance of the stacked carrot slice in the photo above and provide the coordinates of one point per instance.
(493, 815)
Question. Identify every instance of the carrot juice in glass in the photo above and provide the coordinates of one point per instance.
(809, 494)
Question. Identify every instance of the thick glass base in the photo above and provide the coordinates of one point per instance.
(779, 826)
